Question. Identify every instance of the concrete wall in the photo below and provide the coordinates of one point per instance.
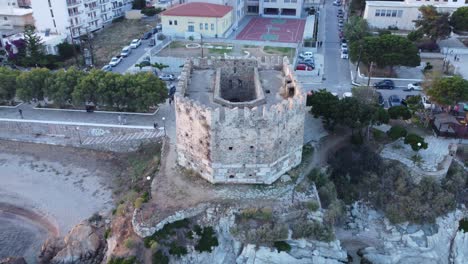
(239, 145)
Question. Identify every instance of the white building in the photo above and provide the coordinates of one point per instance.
(237, 5)
(76, 17)
(13, 15)
(384, 14)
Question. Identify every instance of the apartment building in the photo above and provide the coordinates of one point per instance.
(12, 14)
(384, 14)
(76, 17)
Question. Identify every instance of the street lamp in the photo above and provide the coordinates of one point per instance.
(164, 124)
(79, 136)
(148, 178)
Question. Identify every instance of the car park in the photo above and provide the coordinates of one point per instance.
(306, 55)
(147, 35)
(106, 68)
(115, 60)
(344, 54)
(385, 84)
(303, 67)
(135, 43)
(167, 77)
(394, 100)
(414, 87)
(126, 51)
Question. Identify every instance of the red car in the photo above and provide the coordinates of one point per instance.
(303, 67)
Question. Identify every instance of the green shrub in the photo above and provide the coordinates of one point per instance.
(107, 233)
(198, 230)
(396, 112)
(146, 197)
(129, 243)
(282, 246)
(396, 132)
(207, 241)
(428, 66)
(138, 203)
(415, 35)
(149, 11)
(120, 211)
(312, 206)
(256, 213)
(314, 230)
(189, 234)
(463, 225)
(129, 260)
(378, 135)
(356, 139)
(160, 258)
(416, 142)
(177, 250)
(318, 177)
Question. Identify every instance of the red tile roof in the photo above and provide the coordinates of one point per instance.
(196, 9)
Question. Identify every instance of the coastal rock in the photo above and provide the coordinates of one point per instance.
(460, 248)
(83, 245)
(13, 260)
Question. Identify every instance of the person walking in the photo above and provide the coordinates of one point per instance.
(20, 113)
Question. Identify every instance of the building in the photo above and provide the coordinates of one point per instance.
(239, 120)
(76, 17)
(237, 5)
(401, 15)
(275, 8)
(197, 19)
(12, 14)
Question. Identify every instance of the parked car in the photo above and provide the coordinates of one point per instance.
(429, 46)
(126, 51)
(135, 43)
(344, 54)
(380, 99)
(303, 67)
(337, 3)
(340, 16)
(167, 77)
(115, 60)
(426, 103)
(340, 11)
(152, 42)
(347, 94)
(154, 31)
(306, 55)
(414, 87)
(308, 63)
(344, 41)
(147, 35)
(344, 46)
(385, 84)
(340, 20)
(106, 68)
(394, 100)
(159, 27)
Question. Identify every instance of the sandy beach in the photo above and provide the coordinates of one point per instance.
(48, 189)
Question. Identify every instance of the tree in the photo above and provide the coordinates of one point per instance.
(325, 104)
(85, 91)
(34, 47)
(356, 29)
(138, 4)
(7, 84)
(386, 50)
(396, 112)
(416, 142)
(159, 66)
(148, 90)
(61, 85)
(433, 24)
(32, 84)
(459, 19)
(448, 91)
(396, 132)
(415, 35)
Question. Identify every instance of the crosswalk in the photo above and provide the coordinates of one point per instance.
(121, 138)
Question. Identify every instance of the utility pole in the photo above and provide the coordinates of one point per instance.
(201, 43)
(369, 73)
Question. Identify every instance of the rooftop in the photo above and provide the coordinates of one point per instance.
(198, 10)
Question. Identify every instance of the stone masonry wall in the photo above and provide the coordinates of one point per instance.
(240, 145)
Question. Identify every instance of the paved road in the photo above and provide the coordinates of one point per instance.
(132, 58)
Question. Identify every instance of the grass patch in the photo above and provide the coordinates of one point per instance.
(283, 51)
(176, 45)
(249, 46)
(219, 51)
(257, 213)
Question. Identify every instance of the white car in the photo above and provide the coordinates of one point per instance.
(306, 55)
(115, 60)
(347, 94)
(135, 43)
(125, 52)
(426, 103)
(106, 68)
(414, 87)
(167, 77)
(344, 46)
(344, 54)
(337, 3)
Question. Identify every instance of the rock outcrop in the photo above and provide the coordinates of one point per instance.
(13, 260)
(460, 248)
(84, 245)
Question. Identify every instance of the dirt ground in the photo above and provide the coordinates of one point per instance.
(109, 41)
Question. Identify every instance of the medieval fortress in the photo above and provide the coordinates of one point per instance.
(239, 120)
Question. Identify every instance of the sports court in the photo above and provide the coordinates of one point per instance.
(273, 29)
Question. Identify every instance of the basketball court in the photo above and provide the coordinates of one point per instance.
(273, 29)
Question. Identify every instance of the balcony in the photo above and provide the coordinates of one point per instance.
(74, 14)
(72, 3)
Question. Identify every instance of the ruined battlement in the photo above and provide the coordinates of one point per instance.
(254, 140)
